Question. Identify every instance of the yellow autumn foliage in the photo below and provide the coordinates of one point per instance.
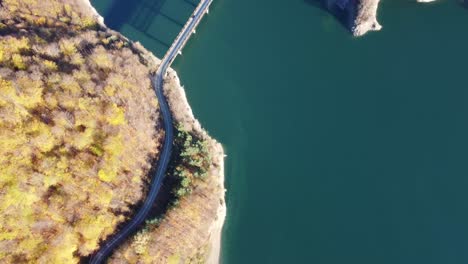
(67, 47)
(62, 249)
(116, 115)
(92, 227)
(18, 62)
(49, 12)
(77, 132)
(50, 65)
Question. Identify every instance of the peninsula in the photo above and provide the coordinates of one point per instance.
(81, 136)
(363, 14)
(366, 18)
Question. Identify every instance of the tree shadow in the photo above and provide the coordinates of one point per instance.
(343, 10)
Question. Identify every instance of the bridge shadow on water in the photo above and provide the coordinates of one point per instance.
(343, 10)
(120, 13)
(158, 21)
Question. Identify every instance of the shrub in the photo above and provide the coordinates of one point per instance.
(193, 159)
(50, 65)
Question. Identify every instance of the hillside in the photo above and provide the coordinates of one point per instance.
(79, 134)
(76, 106)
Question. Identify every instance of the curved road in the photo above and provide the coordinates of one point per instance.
(157, 81)
(164, 157)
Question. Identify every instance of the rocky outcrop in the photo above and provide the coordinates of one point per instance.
(365, 14)
(366, 18)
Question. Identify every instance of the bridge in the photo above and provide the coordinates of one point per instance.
(184, 35)
(158, 82)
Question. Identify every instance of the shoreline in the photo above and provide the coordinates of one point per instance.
(366, 16)
(214, 255)
(183, 113)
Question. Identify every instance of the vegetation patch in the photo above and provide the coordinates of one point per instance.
(188, 168)
(192, 160)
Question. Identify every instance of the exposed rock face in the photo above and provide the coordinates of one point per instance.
(366, 19)
(365, 14)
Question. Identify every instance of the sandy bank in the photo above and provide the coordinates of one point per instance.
(183, 114)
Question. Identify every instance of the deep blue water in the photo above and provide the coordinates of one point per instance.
(340, 149)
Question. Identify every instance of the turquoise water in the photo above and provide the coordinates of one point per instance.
(340, 150)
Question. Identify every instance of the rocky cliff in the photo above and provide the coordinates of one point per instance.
(361, 15)
(366, 17)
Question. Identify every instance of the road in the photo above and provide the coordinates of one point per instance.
(158, 81)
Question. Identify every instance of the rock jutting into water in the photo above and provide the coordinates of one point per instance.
(366, 17)
(363, 14)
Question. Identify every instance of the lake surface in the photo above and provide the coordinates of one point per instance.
(340, 149)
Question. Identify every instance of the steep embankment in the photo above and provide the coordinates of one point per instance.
(362, 13)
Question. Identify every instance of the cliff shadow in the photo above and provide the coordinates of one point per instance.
(464, 4)
(343, 10)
